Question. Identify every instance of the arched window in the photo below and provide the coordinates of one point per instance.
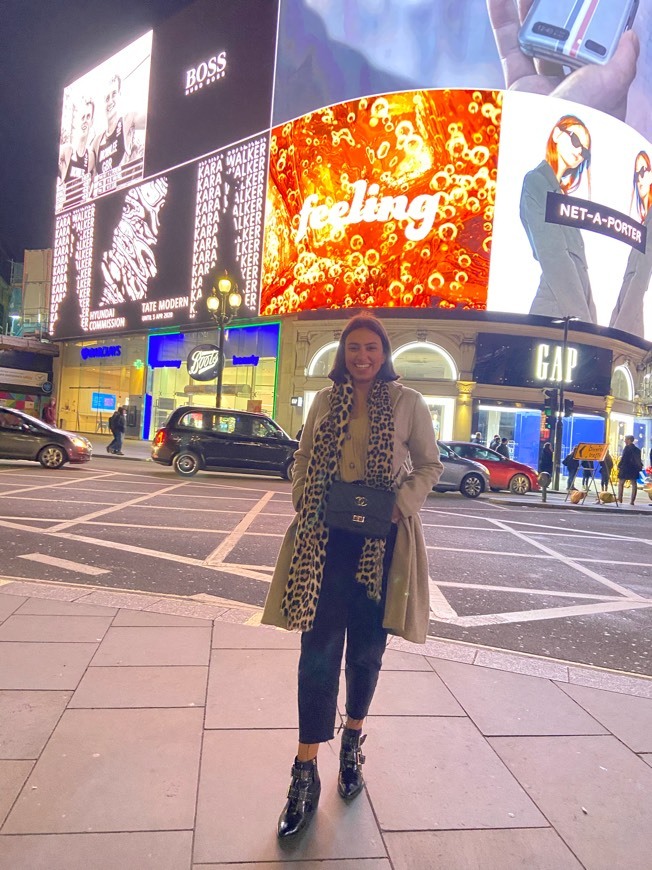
(421, 360)
(622, 384)
(322, 362)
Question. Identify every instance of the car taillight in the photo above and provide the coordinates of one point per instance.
(159, 438)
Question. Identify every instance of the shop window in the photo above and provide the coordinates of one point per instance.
(323, 361)
(622, 384)
(422, 360)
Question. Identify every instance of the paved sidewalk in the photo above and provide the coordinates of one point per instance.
(138, 731)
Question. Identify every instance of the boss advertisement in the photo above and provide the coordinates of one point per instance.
(103, 127)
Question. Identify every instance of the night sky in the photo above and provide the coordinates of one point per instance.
(46, 46)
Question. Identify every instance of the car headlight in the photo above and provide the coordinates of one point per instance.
(80, 442)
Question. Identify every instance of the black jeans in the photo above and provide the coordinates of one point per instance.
(343, 609)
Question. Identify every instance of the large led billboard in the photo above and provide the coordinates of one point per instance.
(368, 156)
(384, 201)
(162, 173)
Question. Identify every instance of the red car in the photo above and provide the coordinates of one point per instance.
(503, 473)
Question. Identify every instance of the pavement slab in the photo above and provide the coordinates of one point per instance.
(9, 604)
(154, 646)
(231, 636)
(516, 849)
(113, 771)
(593, 790)
(13, 775)
(27, 719)
(269, 700)
(43, 665)
(413, 693)
(502, 703)
(55, 629)
(54, 607)
(148, 618)
(427, 773)
(356, 864)
(628, 718)
(162, 850)
(123, 687)
(232, 827)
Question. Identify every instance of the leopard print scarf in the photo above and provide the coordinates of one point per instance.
(307, 565)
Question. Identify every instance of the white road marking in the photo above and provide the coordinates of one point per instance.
(108, 510)
(549, 613)
(64, 563)
(233, 539)
(40, 486)
(440, 607)
(522, 590)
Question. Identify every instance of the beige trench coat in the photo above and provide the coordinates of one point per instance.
(408, 604)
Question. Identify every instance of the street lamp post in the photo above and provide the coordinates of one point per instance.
(223, 305)
(559, 421)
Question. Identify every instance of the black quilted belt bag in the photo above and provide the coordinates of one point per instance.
(361, 509)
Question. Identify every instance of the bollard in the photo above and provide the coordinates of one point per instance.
(544, 482)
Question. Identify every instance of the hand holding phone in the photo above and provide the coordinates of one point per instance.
(601, 86)
(576, 32)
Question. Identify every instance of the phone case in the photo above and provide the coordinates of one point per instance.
(576, 32)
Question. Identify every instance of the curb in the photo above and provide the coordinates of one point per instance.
(618, 511)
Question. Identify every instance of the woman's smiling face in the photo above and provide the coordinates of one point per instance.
(363, 355)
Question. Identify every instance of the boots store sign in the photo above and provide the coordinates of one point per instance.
(204, 362)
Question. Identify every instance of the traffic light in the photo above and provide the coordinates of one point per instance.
(550, 406)
(568, 407)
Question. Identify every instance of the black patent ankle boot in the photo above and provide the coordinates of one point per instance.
(350, 782)
(303, 797)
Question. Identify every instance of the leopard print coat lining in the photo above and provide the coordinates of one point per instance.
(309, 557)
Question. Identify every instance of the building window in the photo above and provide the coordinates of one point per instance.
(421, 360)
(622, 384)
(323, 361)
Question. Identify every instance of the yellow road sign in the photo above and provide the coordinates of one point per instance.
(591, 452)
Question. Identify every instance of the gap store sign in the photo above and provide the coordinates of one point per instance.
(515, 361)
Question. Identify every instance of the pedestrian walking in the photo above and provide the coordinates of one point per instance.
(50, 413)
(503, 448)
(117, 426)
(330, 583)
(630, 466)
(587, 472)
(477, 438)
(495, 441)
(606, 466)
(545, 462)
(572, 465)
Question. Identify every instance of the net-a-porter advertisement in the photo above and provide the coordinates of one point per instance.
(572, 217)
(169, 190)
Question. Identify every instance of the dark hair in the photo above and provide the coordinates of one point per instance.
(363, 321)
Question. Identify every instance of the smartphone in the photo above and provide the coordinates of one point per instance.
(576, 32)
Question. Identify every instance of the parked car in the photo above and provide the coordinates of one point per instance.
(503, 473)
(470, 478)
(25, 437)
(216, 439)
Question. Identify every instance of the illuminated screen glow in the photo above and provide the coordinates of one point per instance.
(385, 201)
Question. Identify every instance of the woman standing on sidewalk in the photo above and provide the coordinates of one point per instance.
(330, 583)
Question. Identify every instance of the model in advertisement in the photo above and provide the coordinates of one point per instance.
(564, 288)
(77, 158)
(116, 144)
(628, 312)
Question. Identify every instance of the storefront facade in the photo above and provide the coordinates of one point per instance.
(26, 374)
(482, 376)
(149, 375)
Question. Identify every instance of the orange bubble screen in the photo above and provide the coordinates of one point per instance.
(383, 201)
